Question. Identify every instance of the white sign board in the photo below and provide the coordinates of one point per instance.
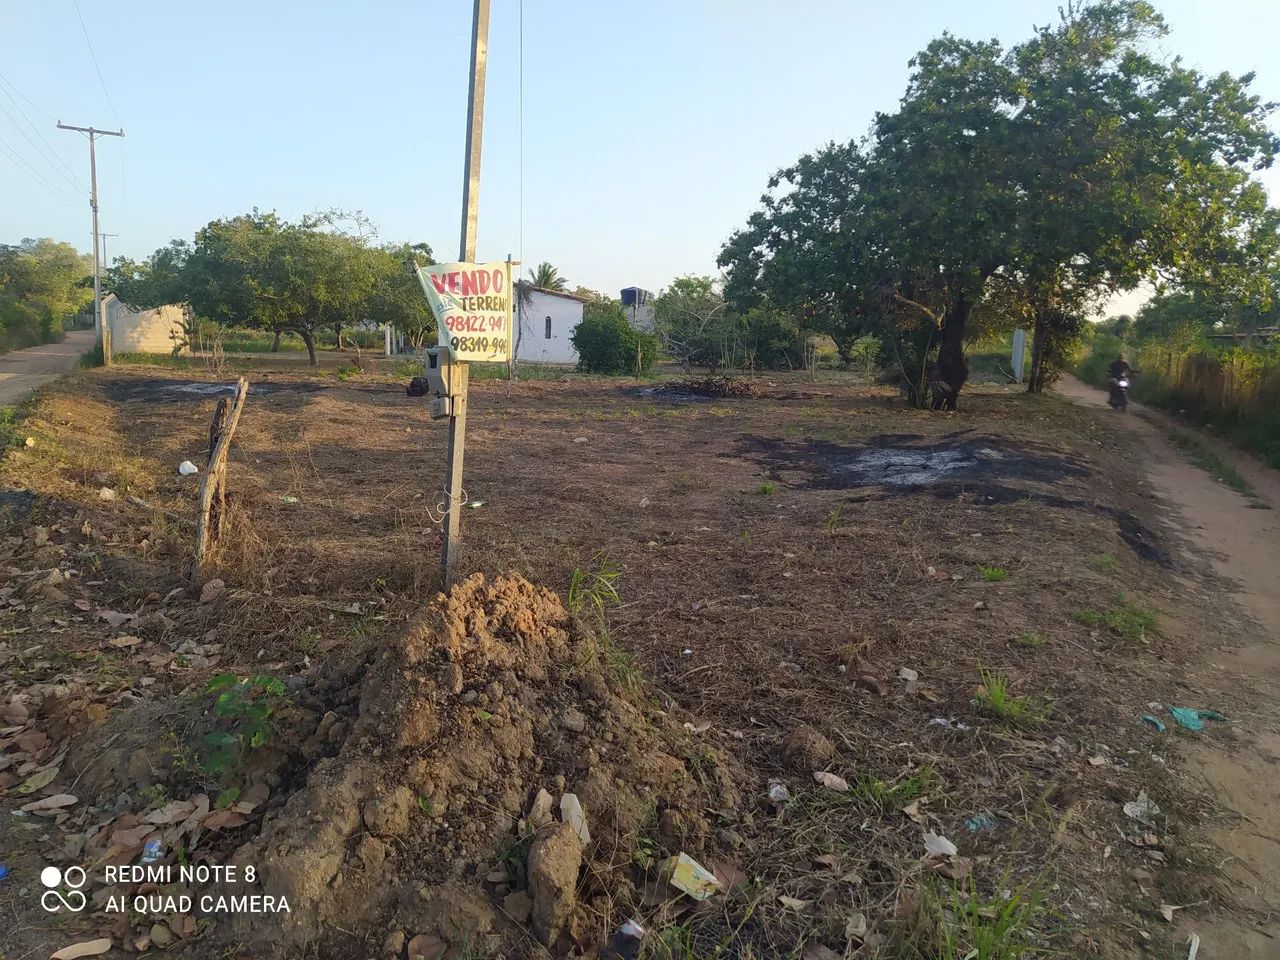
(472, 306)
(1019, 353)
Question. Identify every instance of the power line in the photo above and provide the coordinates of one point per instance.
(47, 152)
(94, 57)
(31, 103)
(31, 173)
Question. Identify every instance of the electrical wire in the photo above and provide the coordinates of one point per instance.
(32, 174)
(30, 103)
(48, 152)
(88, 43)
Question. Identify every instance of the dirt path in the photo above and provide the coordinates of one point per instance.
(1244, 544)
(21, 371)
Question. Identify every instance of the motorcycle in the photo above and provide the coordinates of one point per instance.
(1118, 398)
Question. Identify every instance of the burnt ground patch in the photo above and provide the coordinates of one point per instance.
(906, 462)
(165, 390)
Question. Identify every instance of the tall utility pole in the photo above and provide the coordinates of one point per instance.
(466, 254)
(106, 261)
(104, 334)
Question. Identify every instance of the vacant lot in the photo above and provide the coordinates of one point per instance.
(963, 617)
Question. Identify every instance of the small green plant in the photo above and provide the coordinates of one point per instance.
(10, 435)
(1103, 563)
(995, 697)
(246, 703)
(833, 519)
(994, 574)
(768, 487)
(644, 853)
(345, 373)
(996, 929)
(424, 806)
(1032, 639)
(152, 796)
(594, 588)
(1125, 620)
(885, 797)
(227, 797)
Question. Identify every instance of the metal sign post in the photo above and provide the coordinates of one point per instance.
(452, 525)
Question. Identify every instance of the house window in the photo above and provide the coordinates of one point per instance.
(547, 335)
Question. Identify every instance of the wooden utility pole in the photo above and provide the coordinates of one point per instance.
(99, 322)
(452, 526)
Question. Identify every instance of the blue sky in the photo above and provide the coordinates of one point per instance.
(649, 128)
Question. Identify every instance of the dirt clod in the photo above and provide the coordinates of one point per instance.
(806, 750)
(554, 860)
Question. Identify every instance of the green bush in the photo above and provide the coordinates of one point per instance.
(606, 343)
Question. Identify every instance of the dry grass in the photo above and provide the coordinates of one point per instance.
(752, 591)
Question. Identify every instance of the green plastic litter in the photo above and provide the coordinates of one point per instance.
(1154, 721)
(1194, 719)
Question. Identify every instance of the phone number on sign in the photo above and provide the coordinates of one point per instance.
(486, 345)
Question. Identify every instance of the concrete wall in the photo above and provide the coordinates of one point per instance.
(564, 313)
(146, 331)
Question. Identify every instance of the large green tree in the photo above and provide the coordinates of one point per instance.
(1074, 164)
(42, 282)
(547, 277)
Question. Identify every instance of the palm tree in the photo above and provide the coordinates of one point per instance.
(547, 277)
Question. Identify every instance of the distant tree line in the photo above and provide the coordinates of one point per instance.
(42, 283)
(1018, 187)
(259, 271)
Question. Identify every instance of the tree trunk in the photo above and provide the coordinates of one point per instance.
(309, 339)
(337, 335)
(1035, 382)
(953, 367)
(275, 344)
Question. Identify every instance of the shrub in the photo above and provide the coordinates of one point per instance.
(607, 343)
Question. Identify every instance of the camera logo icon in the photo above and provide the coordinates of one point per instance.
(53, 900)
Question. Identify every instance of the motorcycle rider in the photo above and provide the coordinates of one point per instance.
(1120, 372)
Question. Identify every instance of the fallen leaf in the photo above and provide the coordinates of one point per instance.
(831, 781)
(171, 812)
(41, 779)
(855, 928)
(49, 804)
(161, 935)
(1166, 911)
(956, 868)
(791, 903)
(32, 742)
(15, 714)
(912, 812)
(728, 875)
(828, 860)
(816, 951)
(907, 674)
(86, 948)
(874, 684)
(223, 819)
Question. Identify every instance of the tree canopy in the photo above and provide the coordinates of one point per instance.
(1070, 166)
(547, 277)
(260, 271)
(42, 282)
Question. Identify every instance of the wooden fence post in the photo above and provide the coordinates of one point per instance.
(213, 485)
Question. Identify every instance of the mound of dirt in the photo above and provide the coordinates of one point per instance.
(436, 820)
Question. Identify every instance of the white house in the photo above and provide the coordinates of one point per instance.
(161, 330)
(546, 320)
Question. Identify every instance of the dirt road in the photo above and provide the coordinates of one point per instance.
(1243, 543)
(21, 371)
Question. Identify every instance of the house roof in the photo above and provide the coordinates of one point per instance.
(552, 293)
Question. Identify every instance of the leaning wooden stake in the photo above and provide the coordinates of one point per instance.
(213, 485)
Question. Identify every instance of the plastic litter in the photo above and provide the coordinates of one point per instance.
(187, 468)
(980, 822)
(151, 852)
(288, 498)
(1154, 721)
(949, 723)
(1194, 719)
(4, 871)
(938, 846)
(1144, 809)
(692, 878)
(571, 813)
(475, 504)
(1193, 946)
(778, 792)
(625, 942)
